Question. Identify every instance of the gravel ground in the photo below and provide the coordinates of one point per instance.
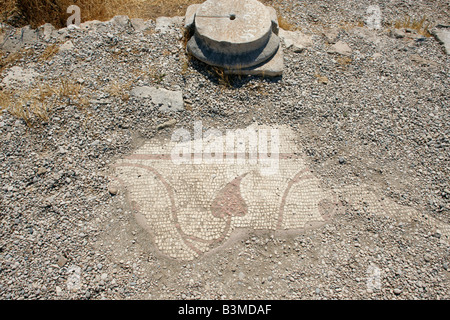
(379, 117)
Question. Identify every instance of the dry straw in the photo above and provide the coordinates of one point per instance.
(38, 12)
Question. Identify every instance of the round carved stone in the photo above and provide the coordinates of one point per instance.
(233, 33)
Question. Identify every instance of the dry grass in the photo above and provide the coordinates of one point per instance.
(38, 12)
(6, 99)
(41, 110)
(43, 92)
(223, 78)
(421, 25)
(186, 63)
(187, 34)
(27, 106)
(285, 24)
(8, 60)
(67, 89)
(344, 62)
(36, 105)
(321, 79)
(117, 89)
(49, 52)
(346, 25)
(152, 74)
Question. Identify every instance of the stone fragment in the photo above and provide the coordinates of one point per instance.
(19, 39)
(66, 46)
(166, 124)
(166, 100)
(28, 35)
(100, 101)
(377, 55)
(421, 61)
(73, 27)
(295, 39)
(341, 48)
(398, 33)
(61, 261)
(143, 92)
(74, 278)
(41, 171)
(322, 79)
(368, 35)
(62, 34)
(139, 24)
(58, 291)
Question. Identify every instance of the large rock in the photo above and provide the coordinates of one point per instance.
(341, 48)
(167, 24)
(46, 31)
(442, 34)
(139, 24)
(19, 39)
(166, 100)
(121, 21)
(19, 76)
(295, 39)
(28, 35)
